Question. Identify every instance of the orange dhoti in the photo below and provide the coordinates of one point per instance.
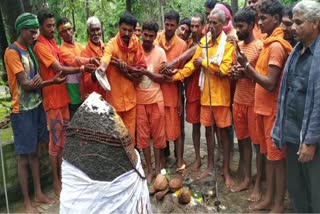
(264, 127)
(129, 120)
(244, 120)
(221, 116)
(193, 112)
(151, 122)
(172, 123)
(57, 120)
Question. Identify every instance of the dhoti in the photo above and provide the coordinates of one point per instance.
(127, 193)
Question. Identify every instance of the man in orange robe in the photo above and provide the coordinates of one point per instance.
(193, 92)
(93, 49)
(244, 117)
(70, 53)
(174, 47)
(150, 105)
(55, 97)
(267, 75)
(123, 55)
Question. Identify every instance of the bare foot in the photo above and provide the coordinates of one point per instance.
(151, 189)
(30, 209)
(205, 174)
(255, 196)
(277, 209)
(244, 185)
(262, 205)
(150, 177)
(42, 198)
(195, 166)
(240, 173)
(57, 188)
(228, 181)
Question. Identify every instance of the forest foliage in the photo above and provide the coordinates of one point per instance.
(108, 11)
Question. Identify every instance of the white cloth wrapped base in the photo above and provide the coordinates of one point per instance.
(127, 193)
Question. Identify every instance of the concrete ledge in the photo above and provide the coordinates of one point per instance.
(11, 169)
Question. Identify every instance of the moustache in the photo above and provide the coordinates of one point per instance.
(125, 37)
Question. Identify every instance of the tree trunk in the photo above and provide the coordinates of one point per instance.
(234, 6)
(10, 10)
(27, 6)
(161, 2)
(87, 9)
(72, 14)
(128, 5)
(3, 46)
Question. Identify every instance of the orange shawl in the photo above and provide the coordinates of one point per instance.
(133, 49)
(92, 50)
(162, 42)
(123, 94)
(262, 66)
(87, 86)
(276, 36)
(53, 47)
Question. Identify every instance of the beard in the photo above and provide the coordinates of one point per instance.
(242, 36)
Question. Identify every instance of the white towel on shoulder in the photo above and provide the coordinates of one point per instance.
(216, 59)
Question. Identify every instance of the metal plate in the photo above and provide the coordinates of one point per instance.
(103, 81)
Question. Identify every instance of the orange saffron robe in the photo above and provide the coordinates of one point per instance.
(261, 94)
(54, 96)
(70, 53)
(123, 93)
(173, 48)
(87, 86)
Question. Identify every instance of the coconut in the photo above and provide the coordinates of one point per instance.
(160, 183)
(175, 183)
(185, 196)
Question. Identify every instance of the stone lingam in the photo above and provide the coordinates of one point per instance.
(98, 143)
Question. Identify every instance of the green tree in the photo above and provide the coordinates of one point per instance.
(3, 46)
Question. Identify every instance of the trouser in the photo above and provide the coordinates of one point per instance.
(303, 181)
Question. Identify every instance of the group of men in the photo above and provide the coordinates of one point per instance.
(248, 75)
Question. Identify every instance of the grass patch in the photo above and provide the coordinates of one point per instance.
(4, 109)
(6, 135)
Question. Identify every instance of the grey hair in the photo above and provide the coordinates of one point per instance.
(310, 10)
(93, 20)
(220, 13)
